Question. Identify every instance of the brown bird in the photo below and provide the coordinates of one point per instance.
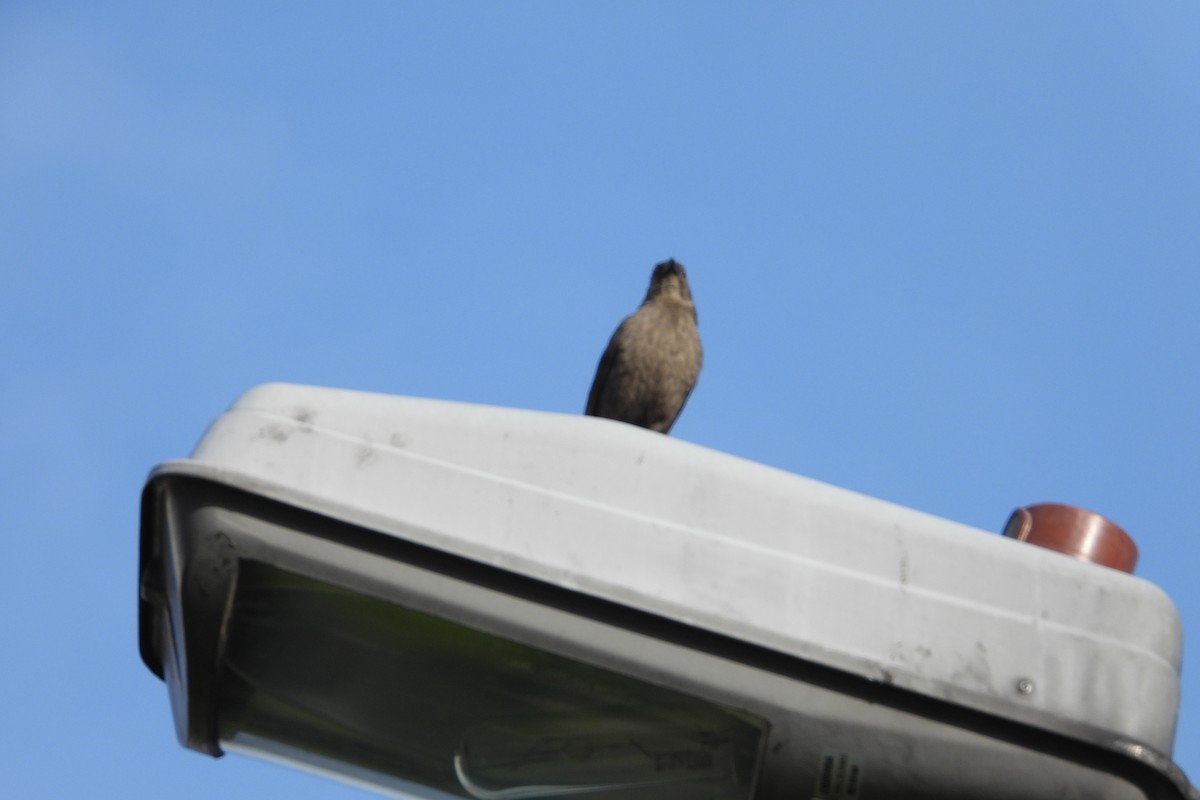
(653, 359)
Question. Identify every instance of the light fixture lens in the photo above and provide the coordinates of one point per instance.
(399, 699)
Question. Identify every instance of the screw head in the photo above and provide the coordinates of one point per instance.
(1025, 686)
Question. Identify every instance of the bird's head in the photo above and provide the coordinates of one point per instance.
(669, 282)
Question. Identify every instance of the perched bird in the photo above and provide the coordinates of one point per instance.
(653, 359)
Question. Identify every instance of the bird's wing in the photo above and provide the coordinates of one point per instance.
(602, 371)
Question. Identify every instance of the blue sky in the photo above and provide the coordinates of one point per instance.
(945, 254)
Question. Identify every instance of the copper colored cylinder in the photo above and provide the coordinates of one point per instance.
(1074, 531)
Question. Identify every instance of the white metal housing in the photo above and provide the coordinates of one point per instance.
(707, 539)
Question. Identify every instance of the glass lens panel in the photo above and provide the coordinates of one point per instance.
(398, 699)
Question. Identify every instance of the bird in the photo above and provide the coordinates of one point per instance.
(653, 359)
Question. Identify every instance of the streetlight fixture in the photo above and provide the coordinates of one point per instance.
(445, 600)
